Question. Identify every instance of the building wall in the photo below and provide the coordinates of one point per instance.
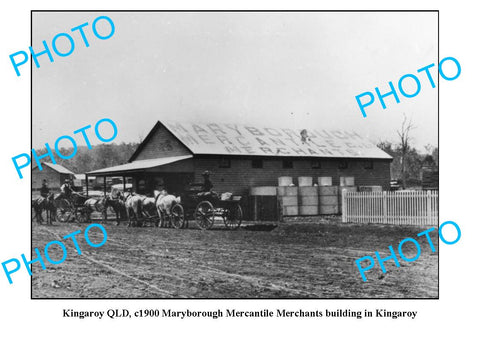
(162, 144)
(241, 176)
(54, 179)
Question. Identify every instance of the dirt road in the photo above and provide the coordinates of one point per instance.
(291, 261)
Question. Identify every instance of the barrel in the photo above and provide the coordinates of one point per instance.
(328, 200)
(347, 181)
(308, 200)
(305, 181)
(324, 181)
(288, 200)
(285, 181)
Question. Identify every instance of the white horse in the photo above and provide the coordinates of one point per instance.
(164, 203)
(133, 205)
(149, 209)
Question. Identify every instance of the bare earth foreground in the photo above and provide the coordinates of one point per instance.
(307, 260)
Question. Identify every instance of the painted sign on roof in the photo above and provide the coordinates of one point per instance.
(235, 139)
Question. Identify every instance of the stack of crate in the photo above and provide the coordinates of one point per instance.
(287, 196)
(308, 196)
(288, 200)
(327, 196)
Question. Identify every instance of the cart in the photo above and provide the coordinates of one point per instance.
(207, 207)
(71, 209)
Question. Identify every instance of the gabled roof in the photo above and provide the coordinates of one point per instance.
(251, 140)
(57, 167)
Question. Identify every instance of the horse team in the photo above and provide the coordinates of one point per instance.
(137, 208)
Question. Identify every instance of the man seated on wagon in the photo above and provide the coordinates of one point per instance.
(68, 192)
(66, 189)
(207, 186)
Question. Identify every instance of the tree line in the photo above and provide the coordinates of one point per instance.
(407, 161)
(99, 157)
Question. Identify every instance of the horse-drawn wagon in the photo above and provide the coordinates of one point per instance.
(78, 207)
(207, 207)
(71, 208)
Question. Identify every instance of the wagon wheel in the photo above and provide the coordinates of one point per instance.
(233, 217)
(64, 214)
(177, 216)
(81, 216)
(64, 210)
(204, 215)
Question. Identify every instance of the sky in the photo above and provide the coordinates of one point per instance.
(298, 70)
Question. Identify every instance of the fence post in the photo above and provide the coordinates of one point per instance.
(429, 207)
(384, 205)
(344, 218)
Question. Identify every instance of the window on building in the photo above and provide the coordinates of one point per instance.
(287, 164)
(224, 163)
(257, 163)
(316, 164)
(368, 165)
(343, 164)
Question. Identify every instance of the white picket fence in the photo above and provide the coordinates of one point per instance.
(418, 208)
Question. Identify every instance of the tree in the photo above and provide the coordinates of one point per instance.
(404, 146)
(100, 156)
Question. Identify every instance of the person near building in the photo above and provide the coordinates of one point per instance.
(66, 189)
(207, 183)
(44, 190)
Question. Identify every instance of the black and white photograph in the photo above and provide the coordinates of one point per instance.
(235, 155)
(239, 170)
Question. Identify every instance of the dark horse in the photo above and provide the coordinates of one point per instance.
(102, 204)
(40, 204)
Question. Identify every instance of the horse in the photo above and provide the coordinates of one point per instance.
(164, 203)
(133, 206)
(50, 208)
(118, 205)
(149, 205)
(97, 204)
(101, 205)
(40, 204)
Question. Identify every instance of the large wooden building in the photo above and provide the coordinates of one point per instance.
(243, 156)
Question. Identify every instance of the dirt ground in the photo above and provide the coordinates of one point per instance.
(294, 260)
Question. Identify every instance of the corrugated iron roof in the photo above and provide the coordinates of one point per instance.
(251, 140)
(57, 167)
(139, 165)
